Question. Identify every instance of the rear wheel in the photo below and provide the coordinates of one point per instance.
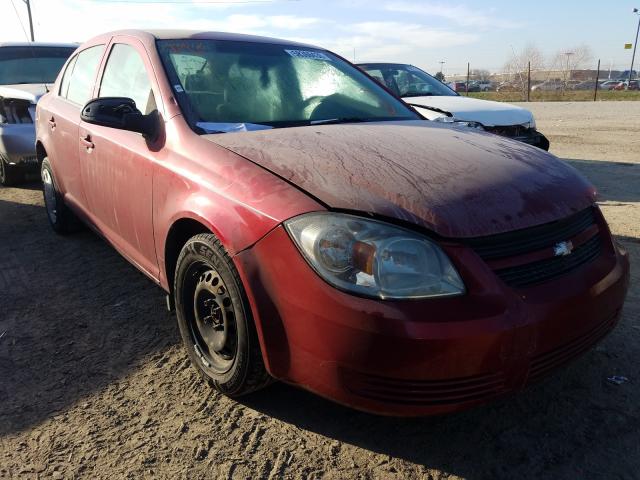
(215, 318)
(61, 219)
(9, 174)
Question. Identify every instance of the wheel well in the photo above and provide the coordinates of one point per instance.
(41, 153)
(179, 233)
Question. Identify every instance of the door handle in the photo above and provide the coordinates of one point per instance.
(86, 141)
(52, 123)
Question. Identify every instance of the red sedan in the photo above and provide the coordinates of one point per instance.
(310, 227)
(632, 85)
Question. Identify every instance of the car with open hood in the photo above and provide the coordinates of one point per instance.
(26, 69)
(440, 103)
(308, 226)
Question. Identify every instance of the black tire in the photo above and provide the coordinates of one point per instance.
(10, 175)
(215, 319)
(61, 218)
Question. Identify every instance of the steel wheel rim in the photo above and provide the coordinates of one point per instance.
(49, 195)
(213, 321)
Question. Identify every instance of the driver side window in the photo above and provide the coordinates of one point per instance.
(125, 75)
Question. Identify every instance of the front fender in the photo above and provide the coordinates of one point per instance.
(233, 198)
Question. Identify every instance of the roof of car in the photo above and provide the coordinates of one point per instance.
(383, 63)
(204, 35)
(37, 44)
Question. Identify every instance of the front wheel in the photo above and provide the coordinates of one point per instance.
(215, 318)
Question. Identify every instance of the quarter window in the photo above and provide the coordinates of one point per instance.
(64, 84)
(79, 87)
(126, 76)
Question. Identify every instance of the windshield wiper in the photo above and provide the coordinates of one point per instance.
(435, 109)
(329, 121)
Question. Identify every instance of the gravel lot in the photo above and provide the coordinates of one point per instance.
(94, 382)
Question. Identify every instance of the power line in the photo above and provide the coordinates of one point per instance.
(19, 20)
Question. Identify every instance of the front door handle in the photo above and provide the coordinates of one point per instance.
(86, 141)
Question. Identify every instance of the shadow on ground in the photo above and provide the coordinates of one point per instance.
(32, 183)
(608, 176)
(74, 317)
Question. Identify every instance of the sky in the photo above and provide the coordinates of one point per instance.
(421, 32)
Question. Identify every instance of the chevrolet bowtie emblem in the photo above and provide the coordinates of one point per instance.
(563, 249)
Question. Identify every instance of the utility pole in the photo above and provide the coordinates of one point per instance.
(529, 81)
(633, 57)
(595, 92)
(466, 85)
(30, 19)
(441, 62)
(568, 54)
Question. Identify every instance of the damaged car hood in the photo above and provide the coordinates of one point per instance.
(453, 182)
(488, 113)
(29, 92)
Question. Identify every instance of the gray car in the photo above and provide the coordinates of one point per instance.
(26, 70)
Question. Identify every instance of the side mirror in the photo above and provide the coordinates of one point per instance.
(120, 113)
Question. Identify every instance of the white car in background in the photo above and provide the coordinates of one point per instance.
(437, 102)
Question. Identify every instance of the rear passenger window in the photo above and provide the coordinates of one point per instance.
(126, 76)
(80, 84)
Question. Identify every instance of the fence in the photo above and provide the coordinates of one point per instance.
(527, 83)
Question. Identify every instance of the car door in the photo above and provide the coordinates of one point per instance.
(117, 165)
(63, 117)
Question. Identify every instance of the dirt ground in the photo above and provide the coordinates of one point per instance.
(94, 382)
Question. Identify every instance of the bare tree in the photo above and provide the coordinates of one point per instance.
(568, 60)
(480, 74)
(518, 64)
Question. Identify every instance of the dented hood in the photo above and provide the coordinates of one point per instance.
(456, 183)
(486, 112)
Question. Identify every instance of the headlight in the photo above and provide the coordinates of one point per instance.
(373, 258)
(463, 123)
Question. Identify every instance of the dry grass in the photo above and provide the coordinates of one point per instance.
(568, 96)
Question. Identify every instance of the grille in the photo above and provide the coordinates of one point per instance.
(531, 239)
(537, 239)
(545, 363)
(435, 392)
(543, 270)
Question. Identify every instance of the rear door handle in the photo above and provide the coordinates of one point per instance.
(86, 141)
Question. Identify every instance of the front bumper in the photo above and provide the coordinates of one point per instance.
(17, 145)
(430, 356)
(530, 136)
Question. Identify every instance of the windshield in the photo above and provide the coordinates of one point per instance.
(407, 80)
(225, 86)
(32, 64)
